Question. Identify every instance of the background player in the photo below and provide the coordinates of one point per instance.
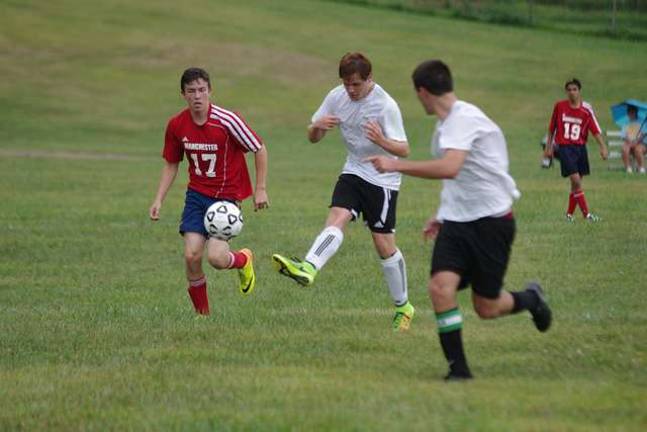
(370, 124)
(474, 225)
(570, 123)
(214, 141)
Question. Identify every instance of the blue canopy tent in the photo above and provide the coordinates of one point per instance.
(619, 112)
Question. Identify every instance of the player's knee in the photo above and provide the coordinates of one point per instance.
(436, 290)
(219, 260)
(485, 311)
(192, 258)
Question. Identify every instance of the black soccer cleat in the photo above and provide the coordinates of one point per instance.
(541, 314)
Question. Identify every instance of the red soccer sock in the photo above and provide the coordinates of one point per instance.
(238, 260)
(571, 203)
(581, 201)
(198, 293)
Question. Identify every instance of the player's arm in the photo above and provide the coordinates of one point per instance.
(260, 191)
(317, 130)
(169, 171)
(374, 133)
(552, 128)
(603, 148)
(446, 167)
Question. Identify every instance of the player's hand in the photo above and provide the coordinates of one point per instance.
(326, 122)
(260, 200)
(154, 211)
(374, 132)
(382, 163)
(431, 229)
(604, 153)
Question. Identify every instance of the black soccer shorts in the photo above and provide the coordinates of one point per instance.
(478, 251)
(376, 204)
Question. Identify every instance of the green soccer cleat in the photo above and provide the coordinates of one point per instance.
(403, 316)
(301, 271)
(246, 274)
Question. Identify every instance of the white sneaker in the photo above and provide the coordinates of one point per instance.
(629, 170)
(642, 170)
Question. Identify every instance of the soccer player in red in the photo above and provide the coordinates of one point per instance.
(214, 141)
(569, 128)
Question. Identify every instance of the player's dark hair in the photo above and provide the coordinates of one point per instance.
(354, 63)
(573, 81)
(434, 76)
(193, 74)
(632, 108)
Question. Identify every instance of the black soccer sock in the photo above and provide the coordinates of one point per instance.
(450, 324)
(524, 300)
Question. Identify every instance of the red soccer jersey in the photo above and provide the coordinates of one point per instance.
(215, 151)
(570, 126)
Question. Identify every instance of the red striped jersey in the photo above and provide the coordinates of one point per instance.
(571, 126)
(215, 151)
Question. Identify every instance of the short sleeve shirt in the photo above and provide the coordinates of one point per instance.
(483, 186)
(378, 106)
(215, 152)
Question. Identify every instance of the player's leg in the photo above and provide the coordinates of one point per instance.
(328, 240)
(221, 257)
(193, 249)
(583, 170)
(394, 269)
(493, 238)
(443, 286)
(450, 266)
(195, 237)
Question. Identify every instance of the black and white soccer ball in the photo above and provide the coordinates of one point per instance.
(223, 220)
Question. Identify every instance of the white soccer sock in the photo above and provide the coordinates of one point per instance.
(325, 246)
(395, 275)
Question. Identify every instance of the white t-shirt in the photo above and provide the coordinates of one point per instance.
(483, 186)
(377, 106)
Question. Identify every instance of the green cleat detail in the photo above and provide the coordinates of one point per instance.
(301, 271)
(403, 316)
(246, 274)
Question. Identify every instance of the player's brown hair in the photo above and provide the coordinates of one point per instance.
(193, 74)
(573, 81)
(352, 63)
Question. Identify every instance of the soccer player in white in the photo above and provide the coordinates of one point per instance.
(370, 124)
(474, 226)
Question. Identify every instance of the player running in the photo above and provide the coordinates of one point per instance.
(569, 128)
(370, 124)
(474, 226)
(214, 141)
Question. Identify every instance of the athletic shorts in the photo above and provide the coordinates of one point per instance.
(573, 159)
(195, 207)
(478, 251)
(376, 204)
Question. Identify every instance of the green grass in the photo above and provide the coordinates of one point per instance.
(96, 329)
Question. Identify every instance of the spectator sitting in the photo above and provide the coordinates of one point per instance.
(634, 141)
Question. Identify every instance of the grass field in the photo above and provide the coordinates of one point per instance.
(96, 329)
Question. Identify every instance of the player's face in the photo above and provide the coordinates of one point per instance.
(573, 93)
(356, 87)
(196, 94)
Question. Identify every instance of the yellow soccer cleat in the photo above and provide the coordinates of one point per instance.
(246, 274)
(301, 271)
(403, 316)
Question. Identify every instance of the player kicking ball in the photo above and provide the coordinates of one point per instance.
(370, 124)
(474, 226)
(214, 141)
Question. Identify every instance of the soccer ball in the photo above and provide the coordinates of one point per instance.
(223, 220)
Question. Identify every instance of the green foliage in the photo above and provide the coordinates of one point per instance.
(96, 329)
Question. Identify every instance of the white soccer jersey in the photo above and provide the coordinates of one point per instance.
(483, 186)
(377, 106)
